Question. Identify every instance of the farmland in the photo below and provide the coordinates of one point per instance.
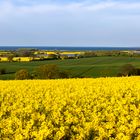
(75, 109)
(83, 67)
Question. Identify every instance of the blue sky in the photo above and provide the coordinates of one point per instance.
(70, 22)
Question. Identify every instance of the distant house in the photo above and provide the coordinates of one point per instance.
(137, 52)
(67, 56)
(42, 55)
(71, 54)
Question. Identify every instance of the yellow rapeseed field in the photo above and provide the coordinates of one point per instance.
(72, 109)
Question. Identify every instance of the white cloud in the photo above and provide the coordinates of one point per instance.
(8, 8)
(73, 22)
(100, 6)
(5, 8)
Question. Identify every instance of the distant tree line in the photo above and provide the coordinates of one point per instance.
(25, 52)
(48, 71)
(105, 53)
(51, 71)
(109, 53)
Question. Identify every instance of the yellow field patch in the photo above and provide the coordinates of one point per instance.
(23, 59)
(4, 59)
(71, 52)
(76, 109)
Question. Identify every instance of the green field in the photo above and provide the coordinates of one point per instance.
(84, 67)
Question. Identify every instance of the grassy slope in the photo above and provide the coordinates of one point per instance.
(89, 67)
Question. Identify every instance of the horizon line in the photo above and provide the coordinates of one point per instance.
(70, 46)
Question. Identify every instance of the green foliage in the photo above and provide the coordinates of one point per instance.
(89, 54)
(64, 57)
(52, 56)
(127, 70)
(2, 71)
(138, 71)
(22, 74)
(84, 67)
(10, 58)
(50, 71)
(23, 52)
(64, 74)
(109, 53)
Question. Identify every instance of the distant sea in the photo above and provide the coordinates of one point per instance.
(68, 48)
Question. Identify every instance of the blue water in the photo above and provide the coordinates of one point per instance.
(69, 48)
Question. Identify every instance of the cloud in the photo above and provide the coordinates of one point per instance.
(5, 7)
(8, 7)
(69, 21)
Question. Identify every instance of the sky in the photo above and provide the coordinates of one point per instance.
(111, 23)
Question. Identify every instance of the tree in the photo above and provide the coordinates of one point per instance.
(127, 70)
(49, 71)
(64, 57)
(138, 71)
(2, 71)
(22, 74)
(24, 52)
(52, 56)
(10, 58)
(64, 74)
